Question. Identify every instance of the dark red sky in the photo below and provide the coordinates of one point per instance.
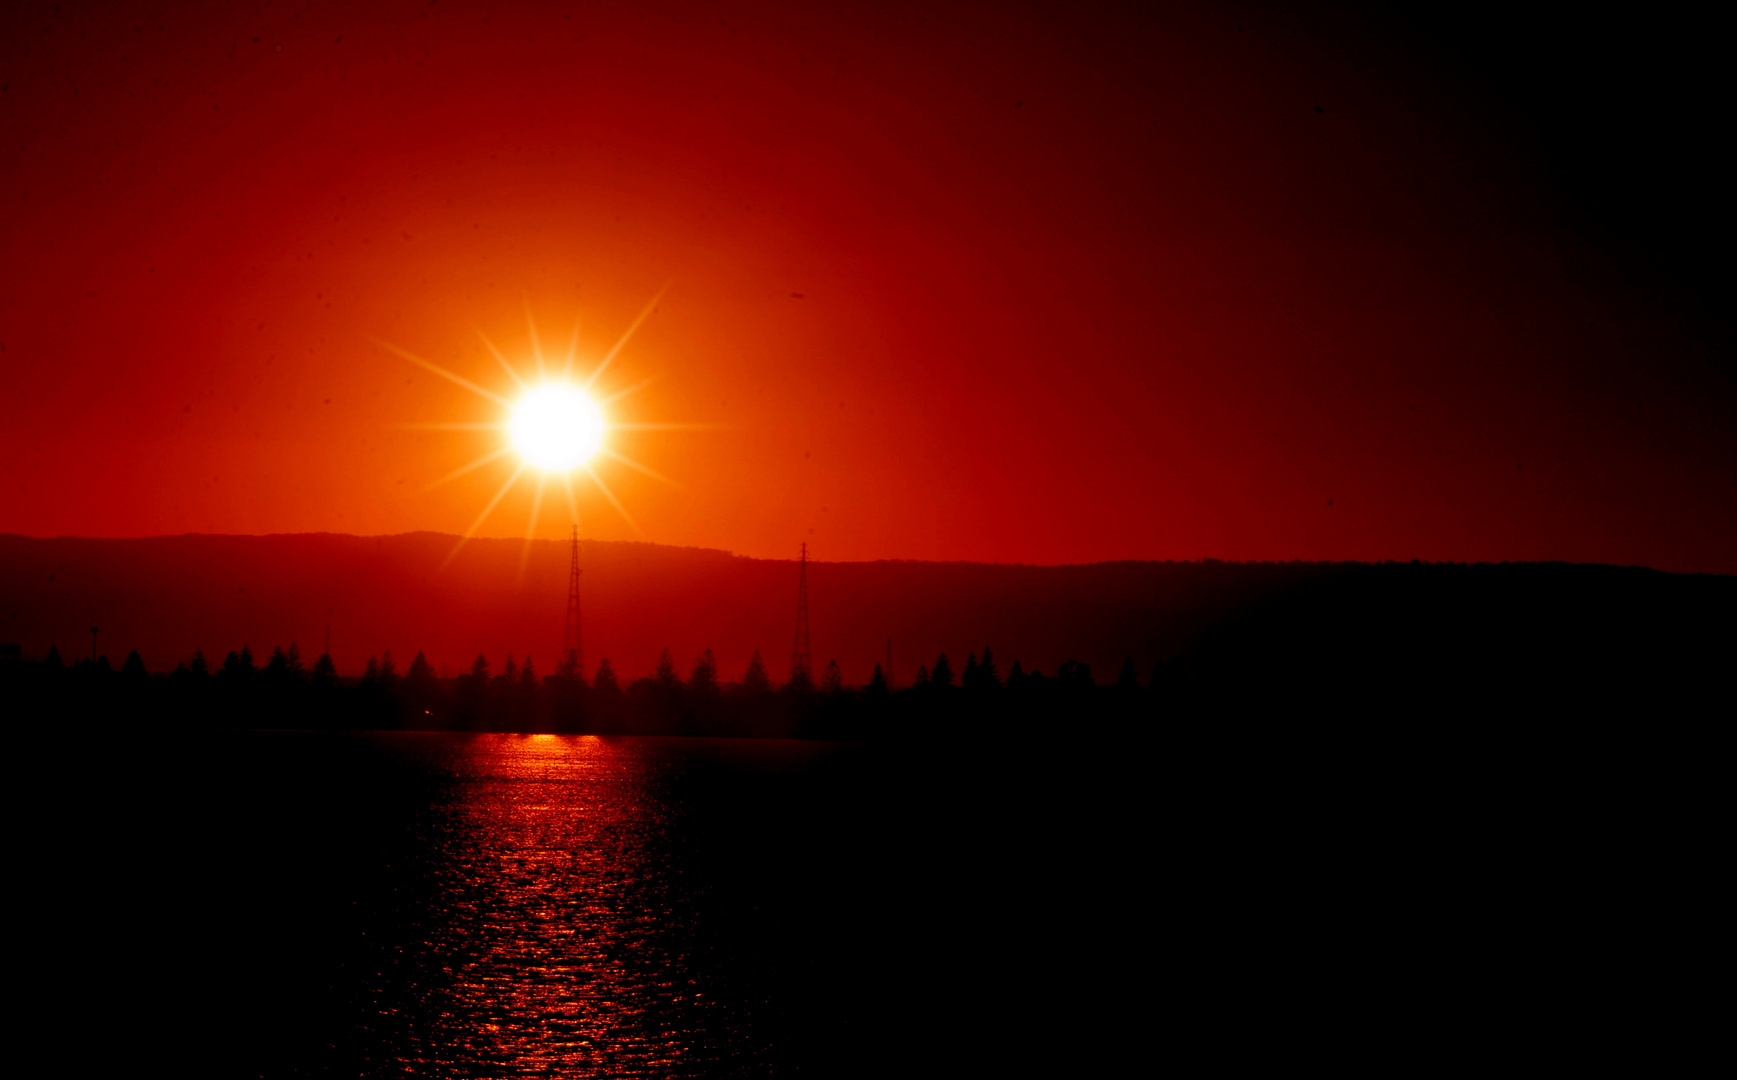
(1075, 284)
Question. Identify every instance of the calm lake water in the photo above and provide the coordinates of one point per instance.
(314, 904)
(283, 903)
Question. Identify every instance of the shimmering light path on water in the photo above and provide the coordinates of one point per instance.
(446, 905)
(581, 906)
(566, 934)
(288, 904)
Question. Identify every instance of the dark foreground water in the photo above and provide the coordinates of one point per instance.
(286, 904)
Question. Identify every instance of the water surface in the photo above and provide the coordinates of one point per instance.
(296, 903)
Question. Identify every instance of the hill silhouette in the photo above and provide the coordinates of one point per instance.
(1266, 630)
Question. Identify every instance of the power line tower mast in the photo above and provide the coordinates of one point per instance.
(800, 663)
(572, 647)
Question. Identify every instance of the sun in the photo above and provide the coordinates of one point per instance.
(556, 427)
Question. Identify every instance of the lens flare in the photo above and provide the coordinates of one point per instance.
(556, 427)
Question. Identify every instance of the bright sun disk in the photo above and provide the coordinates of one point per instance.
(556, 427)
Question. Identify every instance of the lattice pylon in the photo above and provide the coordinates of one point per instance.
(801, 666)
(572, 646)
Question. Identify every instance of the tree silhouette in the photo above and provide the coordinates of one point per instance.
(325, 674)
(877, 684)
(755, 679)
(197, 666)
(479, 668)
(388, 670)
(667, 678)
(942, 677)
(528, 675)
(922, 678)
(704, 679)
(606, 682)
(980, 675)
(52, 661)
(567, 667)
(237, 667)
(990, 679)
(832, 679)
(1129, 680)
(280, 671)
(133, 667)
(421, 673)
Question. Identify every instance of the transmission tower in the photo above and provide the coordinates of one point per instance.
(572, 648)
(800, 665)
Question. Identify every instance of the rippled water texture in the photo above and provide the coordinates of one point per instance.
(559, 926)
(285, 904)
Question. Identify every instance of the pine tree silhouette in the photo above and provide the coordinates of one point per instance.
(991, 679)
(325, 674)
(606, 682)
(704, 679)
(755, 679)
(942, 677)
(667, 678)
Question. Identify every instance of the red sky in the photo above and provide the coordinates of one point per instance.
(1074, 284)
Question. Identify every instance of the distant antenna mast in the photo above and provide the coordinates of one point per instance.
(571, 646)
(799, 660)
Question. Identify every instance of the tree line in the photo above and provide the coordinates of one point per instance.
(285, 691)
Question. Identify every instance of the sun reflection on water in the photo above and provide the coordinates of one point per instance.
(563, 938)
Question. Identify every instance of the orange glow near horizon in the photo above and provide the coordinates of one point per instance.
(556, 426)
(1030, 287)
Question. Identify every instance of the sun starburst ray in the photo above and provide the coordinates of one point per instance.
(619, 394)
(449, 427)
(555, 425)
(604, 363)
(572, 350)
(511, 371)
(536, 343)
(531, 530)
(613, 501)
(572, 504)
(487, 510)
(632, 464)
(438, 370)
(472, 467)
